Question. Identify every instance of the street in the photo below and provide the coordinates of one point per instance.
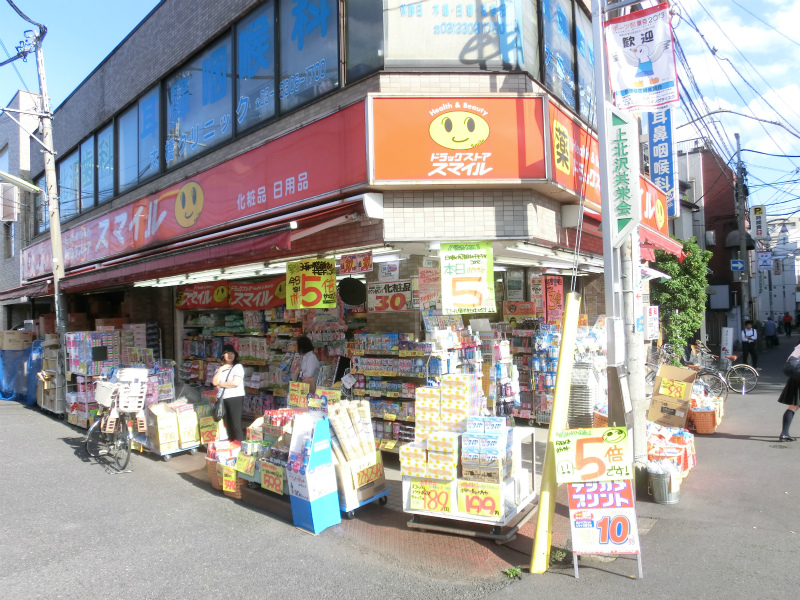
(72, 530)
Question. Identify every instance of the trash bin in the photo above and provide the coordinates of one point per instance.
(659, 488)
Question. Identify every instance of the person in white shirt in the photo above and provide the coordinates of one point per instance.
(749, 337)
(230, 379)
(309, 365)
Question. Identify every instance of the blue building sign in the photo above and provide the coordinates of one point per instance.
(664, 158)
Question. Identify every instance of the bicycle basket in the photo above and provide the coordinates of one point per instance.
(133, 389)
(105, 392)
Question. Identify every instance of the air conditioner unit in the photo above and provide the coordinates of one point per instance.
(9, 196)
(711, 238)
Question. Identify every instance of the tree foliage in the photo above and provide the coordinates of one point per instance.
(682, 299)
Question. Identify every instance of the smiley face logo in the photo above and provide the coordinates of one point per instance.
(614, 435)
(459, 130)
(280, 290)
(220, 293)
(661, 215)
(189, 204)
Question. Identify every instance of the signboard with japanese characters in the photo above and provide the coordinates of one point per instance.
(537, 290)
(389, 297)
(515, 288)
(356, 263)
(664, 157)
(467, 278)
(584, 455)
(257, 296)
(652, 323)
(641, 60)
(574, 155)
(765, 261)
(430, 288)
(623, 176)
(213, 294)
(603, 518)
(758, 223)
(311, 284)
(554, 298)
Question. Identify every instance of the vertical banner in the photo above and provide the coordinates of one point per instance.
(664, 158)
(764, 261)
(430, 288)
(467, 278)
(622, 147)
(651, 323)
(554, 298)
(726, 347)
(641, 60)
(311, 284)
(537, 293)
(515, 285)
(758, 222)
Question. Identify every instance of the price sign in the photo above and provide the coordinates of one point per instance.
(602, 454)
(388, 444)
(368, 475)
(298, 392)
(229, 479)
(390, 417)
(209, 430)
(333, 395)
(272, 477)
(430, 495)
(356, 263)
(388, 297)
(467, 278)
(603, 518)
(480, 499)
(246, 464)
(311, 284)
(672, 388)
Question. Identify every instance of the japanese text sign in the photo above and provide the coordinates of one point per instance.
(257, 296)
(480, 499)
(229, 479)
(623, 174)
(311, 284)
(246, 464)
(430, 288)
(467, 278)
(584, 455)
(575, 159)
(272, 477)
(209, 430)
(356, 263)
(298, 393)
(764, 261)
(758, 222)
(654, 206)
(394, 296)
(664, 157)
(520, 311)
(431, 495)
(203, 295)
(554, 298)
(603, 518)
(641, 60)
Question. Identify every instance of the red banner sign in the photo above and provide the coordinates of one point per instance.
(356, 263)
(203, 295)
(654, 206)
(554, 298)
(315, 161)
(574, 159)
(257, 296)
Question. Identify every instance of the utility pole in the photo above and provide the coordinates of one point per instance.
(741, 209)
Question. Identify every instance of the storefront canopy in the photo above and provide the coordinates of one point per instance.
(651, 240)
(40, 288)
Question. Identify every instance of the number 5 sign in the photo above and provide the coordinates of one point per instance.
(584, 455)
(311, 284)
(467, 278)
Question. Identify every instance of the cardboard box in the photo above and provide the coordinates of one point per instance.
(450, 458)
(360, 479)
(672, 394)
(256, 430)
(47, 324)
(162, 425)
(414, 451)
(115, 323)
(413, 471)
(441, 470)
(443, 441)
(496, 474)
(188, 428)
(471, 471)
(17, 340)
(77, 322)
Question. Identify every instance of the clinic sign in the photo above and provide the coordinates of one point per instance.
(664, 157)
(758, 222)
(622, 147)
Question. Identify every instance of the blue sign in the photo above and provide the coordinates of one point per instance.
(664, 158)
(737, 265)
(639, 324)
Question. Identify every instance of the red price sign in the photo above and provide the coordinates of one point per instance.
(430, 496)
(479, 499)
(393, 296)
(208, 430)
(369, 475)
(311, 284)
(272, 477)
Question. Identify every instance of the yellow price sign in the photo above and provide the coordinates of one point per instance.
(331, 394)
(390, 444)
(672, 388)
(229, 479)
(272, 477)
(479, 499)
(390, 417)
(311, 284)
(298, 392)
(603, 454)
(209, 430)
(246, 464)
(430, 495)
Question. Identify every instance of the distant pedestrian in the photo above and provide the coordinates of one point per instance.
(771, 332)
(749, 337)
(787, 324)
(790, 395)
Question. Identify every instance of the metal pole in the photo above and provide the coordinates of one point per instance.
(741, 206)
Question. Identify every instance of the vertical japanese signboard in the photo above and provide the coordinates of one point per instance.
(758, 222)
(664, 157)
(641, 60)
(537, 291)
(311, 284)
(623, 176)
(554, 298)
(430, 288)
(467, 278)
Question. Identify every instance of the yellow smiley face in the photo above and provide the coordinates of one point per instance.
(280, 291)
(661, 214)
(189, 204)
(459, 130)
(220, 293)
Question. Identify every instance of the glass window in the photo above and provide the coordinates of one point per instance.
(559, 72)
(255, 83)
(128, 149)
(42, 209)
(148, 133)
(4, 162)
(105, 164)
(87, 174)
(199, 101)
(585, 46)
(309, 50)
(364, 27)
(69, 185)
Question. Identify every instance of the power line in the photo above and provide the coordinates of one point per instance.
(775, 155)
(25, 85)
(765, 23)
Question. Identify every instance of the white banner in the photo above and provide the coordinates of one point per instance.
(641, 60)
(622, 149)
(727, 341)
(765, 261)
(758, 223)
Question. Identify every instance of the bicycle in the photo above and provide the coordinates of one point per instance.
(741, 378)
(110, 435)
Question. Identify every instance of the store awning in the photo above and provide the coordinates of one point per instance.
(651, 240)
(40, 288)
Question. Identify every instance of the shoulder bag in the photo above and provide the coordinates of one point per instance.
(219, 408)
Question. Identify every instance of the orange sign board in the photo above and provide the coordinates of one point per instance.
(459, 139)
(654, 206)
(574, 157)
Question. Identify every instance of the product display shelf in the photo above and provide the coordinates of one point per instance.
(53, 402)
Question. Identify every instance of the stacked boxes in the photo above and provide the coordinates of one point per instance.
(162, 428)
(414, 459)
(188, 424)
(486, 450)
(443, 449)
(427, 409)
(461, 398)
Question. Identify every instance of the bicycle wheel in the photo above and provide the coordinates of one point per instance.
(121, 444)
(742, 379)
(714, 385)
(96, 441)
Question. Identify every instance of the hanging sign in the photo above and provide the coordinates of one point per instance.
(537, 290)
(430, 288)
(229, 479)
(355, 263)
(603, 518)
(623, 174)
(467, 278)
(554, 298)
(257, 296)
(272, 477)
(758, 222)
(641, 60)
(765, 261)
(431, 495)
(389, 271)
(389, 297)
(298, 391)
(664, 157)
(311, 284)
(652, 323)
(515, 291)
(213, 294)
(245, 464)
(593, 455)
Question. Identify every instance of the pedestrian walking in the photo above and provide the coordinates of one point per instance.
(749, 337)
(791, 393)
(787, 324)
(771, 332)
(229, 379)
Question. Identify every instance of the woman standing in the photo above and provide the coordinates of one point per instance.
(790, 395)
(230, 379)
(309, 365)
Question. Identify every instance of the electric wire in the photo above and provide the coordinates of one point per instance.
(25, 85)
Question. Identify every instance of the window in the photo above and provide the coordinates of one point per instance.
(41, 207)
(364, 38)
(69, 186)
(309, 50)
(559, 72)
(585, 48)
(8, 239)
(199, 100)
(128, 149)
(105, 164)
(255, 83)
(4, 161)
(87, 174)
(149, 122)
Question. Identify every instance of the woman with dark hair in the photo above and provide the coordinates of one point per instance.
(309, 365)
(229, 378)
(791, 397)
